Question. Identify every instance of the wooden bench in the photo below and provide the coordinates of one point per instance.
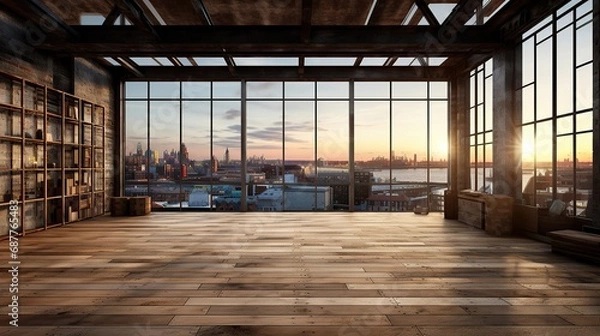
(576, 244)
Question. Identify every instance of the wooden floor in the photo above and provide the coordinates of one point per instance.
(342, 274)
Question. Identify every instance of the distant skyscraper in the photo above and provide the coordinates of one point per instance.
(139, 149)
(185, 156)
(226, 155)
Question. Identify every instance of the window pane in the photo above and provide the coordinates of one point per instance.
(564, 125)
(164, 147)
(372, 134)
(409, 90)
(438, 140)
(136, 90)
(527, 159)
(584, 45)
(489, 103)
(264, 90)
(544, 80)
(543, 148)
(528, 104)
(227, 90)
(332, 153)
(585, 87)
(584, 177)
(227, 135)
(195, 90)
(585, 121)
(299, 90)
(410, 137)
(564, 156)
(164, 90)
(371, 90)
(473, 121)
(265, 139)
(195, 154)
(438, 90)
(564, 68)
(299, 132)
(333, 89)
(528, 61)
(136, 146)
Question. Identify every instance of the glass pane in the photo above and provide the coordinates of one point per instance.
(198, 166)
(527, 63)
(164, 90)
(264, 90)
(438, 90)
(564, 68)
(409, 90)
(472, 88)
(473, 161)
(528, 163)
(410, 139)
(543, 148)
(488, 170)
(564, 125)
(585, 87)
(227, 90)
(372, 134)
(480, 87)
(136, 90)
(371, 90)
(164, 147)
(195, 90)
(489, 103)
(136, 147)
(299, 90)
(473, 121)
(564, 162)
(332, 153)
(528, 104)
(585, 121)
(584, 44)
(333, 89)
(544, 80)
(299, 132)
(438, 141)
(584, 176)
(480, 119)
(372, 151)
(265, 140)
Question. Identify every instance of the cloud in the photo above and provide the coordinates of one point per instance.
(232, 114)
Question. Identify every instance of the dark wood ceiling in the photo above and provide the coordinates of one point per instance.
(290, 28)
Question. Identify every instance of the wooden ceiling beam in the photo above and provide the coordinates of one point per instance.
(464, 10)
(427, 13)
(134, 12)
(291, 73)
(37, 12)
(273, 41)
(112, 17)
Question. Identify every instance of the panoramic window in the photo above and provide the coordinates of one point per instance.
(287, 146)
(557, 138)
(481, 130)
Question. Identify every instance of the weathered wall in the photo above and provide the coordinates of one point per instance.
(19, 56)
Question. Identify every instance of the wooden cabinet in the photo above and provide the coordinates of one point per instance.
(52, 155)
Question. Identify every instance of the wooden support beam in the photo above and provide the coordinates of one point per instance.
(112, 17)
(135, 14)
(291, 73)
(464, 10)
(427, 13)
(129, 66)
(275, 41)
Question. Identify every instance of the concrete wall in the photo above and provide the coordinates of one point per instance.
(20, 56)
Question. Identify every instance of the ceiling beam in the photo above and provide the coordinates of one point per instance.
(136, 15)
(130, 66)
(464, 10)
(274, 41)
(38, 13)
(112, 16)
(518, 16)
(291, 73)
(427, 13)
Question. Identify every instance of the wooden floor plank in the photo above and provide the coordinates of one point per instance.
(183, 274)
